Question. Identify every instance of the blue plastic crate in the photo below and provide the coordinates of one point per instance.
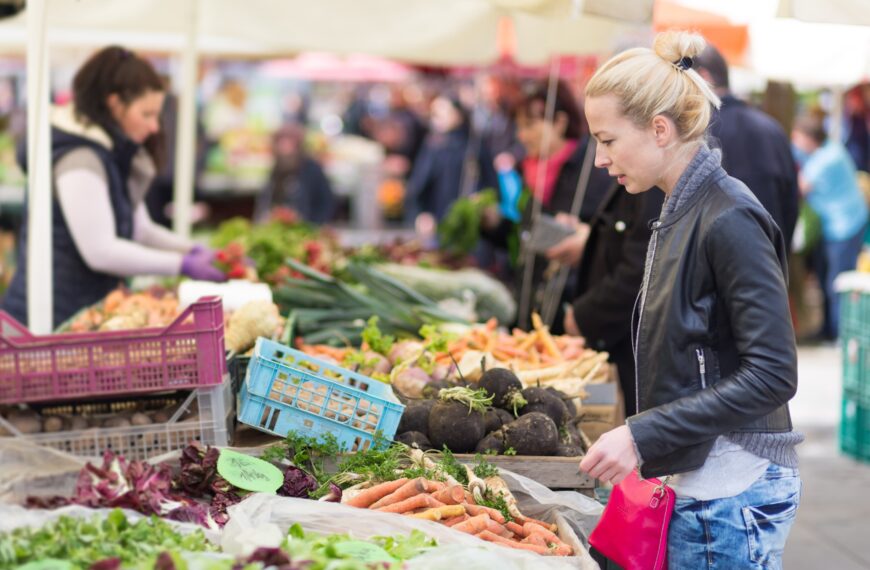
(287, 390)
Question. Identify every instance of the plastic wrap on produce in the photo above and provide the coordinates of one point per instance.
(266, 511)
(537, 501)
(29, 470)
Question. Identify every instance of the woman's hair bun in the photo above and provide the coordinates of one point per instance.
(673, 46)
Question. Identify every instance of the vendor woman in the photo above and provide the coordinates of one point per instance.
(105, 149)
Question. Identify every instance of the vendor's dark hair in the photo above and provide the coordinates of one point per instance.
(812, 124)
(115, 70)
(534, 105)
(711, 60)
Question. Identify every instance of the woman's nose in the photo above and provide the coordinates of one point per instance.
(601, 160)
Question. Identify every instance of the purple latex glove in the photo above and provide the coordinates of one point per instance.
(197, 264)
(203, 250)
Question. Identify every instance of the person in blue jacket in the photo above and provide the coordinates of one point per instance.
(829, 181)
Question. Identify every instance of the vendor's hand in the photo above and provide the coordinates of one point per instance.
(570, 250)
(204, 250)
(425, 225)
(612, 457)
(569, 323)
(197, 264)
(568, 220)
(504, 161)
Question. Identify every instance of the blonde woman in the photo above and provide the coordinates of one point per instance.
(713, 340)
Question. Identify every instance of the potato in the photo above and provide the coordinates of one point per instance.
(77, 423)
(116, 422)
(25, 421)
(140, 419)
(52, 424)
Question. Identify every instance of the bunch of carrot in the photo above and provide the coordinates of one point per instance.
(523, 350)
(455, 507)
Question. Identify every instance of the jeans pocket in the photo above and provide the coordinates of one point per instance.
(767, 528)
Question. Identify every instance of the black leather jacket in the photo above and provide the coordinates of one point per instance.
(714, 343)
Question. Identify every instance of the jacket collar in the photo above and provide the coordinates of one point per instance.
(65, 119)
(703, 169)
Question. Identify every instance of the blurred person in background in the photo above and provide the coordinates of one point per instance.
(829, 181)
(297, 180)
(555, 151)
(857, 127)
(106, 147)
(755, 148)
(449, 158)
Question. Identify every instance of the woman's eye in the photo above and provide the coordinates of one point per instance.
(607, 142)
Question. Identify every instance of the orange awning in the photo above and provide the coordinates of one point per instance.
(730, 39)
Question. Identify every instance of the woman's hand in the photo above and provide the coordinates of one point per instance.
(612, 457)
(570, 322)
(570, 250)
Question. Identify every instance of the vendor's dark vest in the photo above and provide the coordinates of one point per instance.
(75, 284)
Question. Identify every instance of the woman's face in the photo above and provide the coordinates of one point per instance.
(444, 115)
(141, 117)
(534, 132)
(631, 154)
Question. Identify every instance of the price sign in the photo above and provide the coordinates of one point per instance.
(249, 473)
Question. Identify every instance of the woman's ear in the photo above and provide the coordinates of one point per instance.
(664, 130)
(115, 105)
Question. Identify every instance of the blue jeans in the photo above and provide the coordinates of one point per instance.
(747, 531)
(837, 257)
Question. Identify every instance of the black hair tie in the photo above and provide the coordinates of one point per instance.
(684, 63)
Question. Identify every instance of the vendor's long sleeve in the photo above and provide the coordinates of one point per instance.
(84, 201)
(151, 234)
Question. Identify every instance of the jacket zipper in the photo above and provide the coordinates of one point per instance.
(702, 365)
(642, 298)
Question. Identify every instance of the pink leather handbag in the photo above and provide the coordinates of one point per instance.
(633, 530)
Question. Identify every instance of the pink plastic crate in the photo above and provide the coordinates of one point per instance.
(186, 354)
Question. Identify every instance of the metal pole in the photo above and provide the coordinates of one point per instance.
(40, 305)
(185, 149)
(527, 255)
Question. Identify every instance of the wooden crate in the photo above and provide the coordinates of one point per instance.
(552, 472)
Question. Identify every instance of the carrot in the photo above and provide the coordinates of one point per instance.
(474, 525)
(455, 520)
(495, 515)
(549, 537)
(536, 539)
(528, 342)
(417, 501)
(441, 513)
(562, 550)
(376, 493)
(548, 526)
(492, 537)
(532, 528)
(409, 489)
(491, 324)
(515, 528)
(452, 495)
(498, 529)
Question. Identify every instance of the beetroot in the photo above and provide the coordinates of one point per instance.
(453, 424)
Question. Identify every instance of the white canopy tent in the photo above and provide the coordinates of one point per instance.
(424, 31)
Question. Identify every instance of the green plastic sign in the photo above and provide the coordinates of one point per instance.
(249, 473)
(363, 551)
(48, 564)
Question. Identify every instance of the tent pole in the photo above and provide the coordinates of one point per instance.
(526, 254)
(186, 144)
(40, 304)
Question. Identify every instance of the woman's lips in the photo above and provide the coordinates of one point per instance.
(621, 179)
